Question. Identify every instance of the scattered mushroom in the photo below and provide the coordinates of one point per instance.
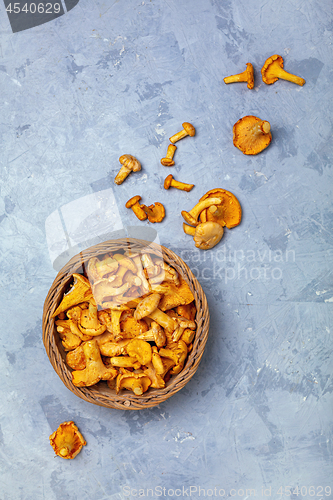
(67, 441)
(205, 235)
(155, 213)
(272, 70)
(251, 135)
(134, 204)
(129, 164)
(170, 181)
(168, 160)
(246, 76)
(188, 129)
(228, 213)
(191, 217)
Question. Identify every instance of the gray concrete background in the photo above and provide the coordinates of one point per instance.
(116, 77)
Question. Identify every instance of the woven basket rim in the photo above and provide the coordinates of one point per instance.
(100, 394)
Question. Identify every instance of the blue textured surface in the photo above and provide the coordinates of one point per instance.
(118, 77)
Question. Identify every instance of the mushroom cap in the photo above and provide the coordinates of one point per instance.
(188, 127)
(167, 181)
(207, 235)
(133, 201)
(248, 137)
(167, 162)
(130, 162)
(266, 71)
(156, 212)
(67, 441)
(147, 305)
(228, 213)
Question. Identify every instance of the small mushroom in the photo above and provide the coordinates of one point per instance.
(168, 160)
(95, 369)
(97, 269)
(136, 382)
(129, 164)
(272, 70)
(67, 441)
(134, 204)
(76, 358)
(155, 212)
(251, 135)
(89, 323)
(157, 381)
(170, 181)
(147, 305)
(191, 217)
(246, 76)
(188, 129)
(112, 349)
(177, 354)
(79, 292)
(140, 350)
(125, 362)
(205, 235)
(163, 320)
(155, 334)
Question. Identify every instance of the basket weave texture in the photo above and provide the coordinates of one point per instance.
(100, 394)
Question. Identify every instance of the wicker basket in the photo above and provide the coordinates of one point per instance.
(101, 394)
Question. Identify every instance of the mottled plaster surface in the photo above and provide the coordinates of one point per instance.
(116, 77)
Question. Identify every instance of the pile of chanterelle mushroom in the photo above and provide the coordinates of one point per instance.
(129, 321)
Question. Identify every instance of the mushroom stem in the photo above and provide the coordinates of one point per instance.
(191, 217)
(134, 204)
(246, 76)
(262, 127)
(188, 129)
(129, 164)
(284, 75)
(170, 181)
(168, 160)
(188, 229)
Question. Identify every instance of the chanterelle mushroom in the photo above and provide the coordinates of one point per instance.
(155, 212)
(191, 217)
(79, 292)
(228, 213)
(129, 164)
(67, 441)
(95, 369)
(272, 70)
(251, 135)
(206, 235)
(246, 76)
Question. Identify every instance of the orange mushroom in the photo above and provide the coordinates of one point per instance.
(251, 135)
(67, 441)
(246, 76)
(273, 70)
(155, 213)
(227, 213)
